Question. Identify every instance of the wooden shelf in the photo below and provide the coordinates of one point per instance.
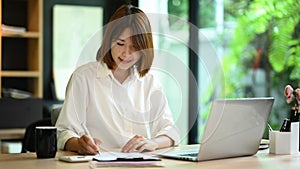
(11, 133)
(21, 35)
(21, 54)
(35, 74)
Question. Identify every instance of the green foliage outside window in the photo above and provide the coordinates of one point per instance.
(267, 32)
(266, 36)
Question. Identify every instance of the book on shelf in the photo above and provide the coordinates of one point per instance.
(13, 29)
(15, 93)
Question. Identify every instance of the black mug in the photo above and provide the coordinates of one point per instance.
(45, 141)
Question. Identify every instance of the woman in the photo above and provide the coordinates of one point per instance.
(115, 98)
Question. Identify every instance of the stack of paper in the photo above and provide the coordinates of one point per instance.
(13, 29)
(117, 159)
(139, 164)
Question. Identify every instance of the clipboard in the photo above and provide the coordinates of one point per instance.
(123, 157)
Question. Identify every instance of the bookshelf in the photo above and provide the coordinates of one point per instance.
(21, 55)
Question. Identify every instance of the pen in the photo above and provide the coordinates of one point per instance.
(286, 126)
(270, 128)
(88, 133)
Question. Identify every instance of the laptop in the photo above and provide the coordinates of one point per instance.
(234, 128)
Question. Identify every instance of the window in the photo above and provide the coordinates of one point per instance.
(170, 34)
(73, 26)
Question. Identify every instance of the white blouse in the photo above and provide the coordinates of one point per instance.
(111, 111)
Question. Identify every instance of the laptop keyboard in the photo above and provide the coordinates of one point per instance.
(190, 154)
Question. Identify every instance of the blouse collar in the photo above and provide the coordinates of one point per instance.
(104, 71)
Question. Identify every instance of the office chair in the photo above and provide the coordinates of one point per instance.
(28, 141)
(55, 113)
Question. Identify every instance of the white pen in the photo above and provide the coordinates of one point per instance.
(88, 133)
(269, 126)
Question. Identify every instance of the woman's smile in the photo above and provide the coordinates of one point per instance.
(125, 61)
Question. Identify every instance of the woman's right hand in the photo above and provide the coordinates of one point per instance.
(83, 145)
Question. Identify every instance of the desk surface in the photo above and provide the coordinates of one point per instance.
(261, 160)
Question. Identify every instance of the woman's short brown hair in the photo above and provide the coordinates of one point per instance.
(128, 16)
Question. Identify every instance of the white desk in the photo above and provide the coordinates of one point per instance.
(262, 160)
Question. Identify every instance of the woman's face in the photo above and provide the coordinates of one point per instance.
(123, 51)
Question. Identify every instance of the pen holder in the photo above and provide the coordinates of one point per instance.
(285, 142)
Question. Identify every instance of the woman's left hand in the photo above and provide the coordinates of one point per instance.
(139, 143)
